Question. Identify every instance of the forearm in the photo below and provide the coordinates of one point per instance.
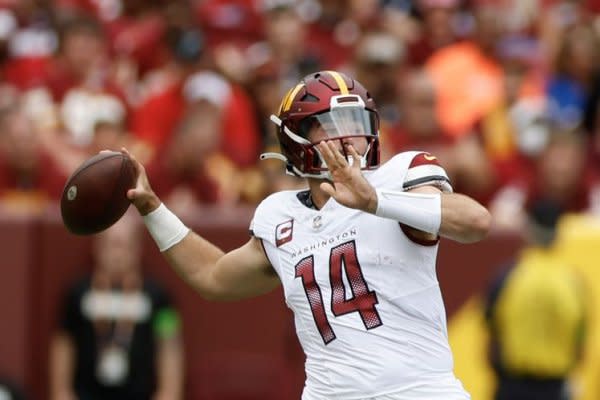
(463, 219)
(194, 259)
(241, 273)
(215, 275)
(428, 210)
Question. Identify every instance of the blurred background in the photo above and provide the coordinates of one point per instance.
(506, 93)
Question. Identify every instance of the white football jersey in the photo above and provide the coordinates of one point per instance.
(367, 304)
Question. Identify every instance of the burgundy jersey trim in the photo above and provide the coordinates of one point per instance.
(411, 236)
(425, 169)
(423, 159)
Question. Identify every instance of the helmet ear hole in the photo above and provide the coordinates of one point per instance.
(305, 126)
(310, 98)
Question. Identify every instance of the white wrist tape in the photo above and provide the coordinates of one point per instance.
(422, 211)
(165, 228)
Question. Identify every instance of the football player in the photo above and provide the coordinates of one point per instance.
(355, 252)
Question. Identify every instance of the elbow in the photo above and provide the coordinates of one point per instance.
(483, 223)
(478, 226)
(206, 287)
(218, 294)
(214, 295)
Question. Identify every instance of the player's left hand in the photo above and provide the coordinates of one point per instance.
(349, 186)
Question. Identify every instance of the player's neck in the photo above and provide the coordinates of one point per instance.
(317, 197)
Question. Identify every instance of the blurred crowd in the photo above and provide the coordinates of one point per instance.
(506, 93)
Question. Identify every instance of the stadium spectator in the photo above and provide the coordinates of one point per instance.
(573, 77)
(235, 22)
(108, 136)
(331, 36)
(537, 316)
(30, 177)
(181, 170)
(28, 41)
(176, 86)
(119, 333)
(464, 159)
(562, 175)
(515, 129)
(82, 59)
(265, 86)
(467, 74)
(160, 101)
(379, 62)
(439, 28)
(81, 85)
(418, 126)
(194, 167)
(136, 34)
(238, 130)
(287, 40)
(519, 123)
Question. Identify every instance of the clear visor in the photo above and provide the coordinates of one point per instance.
(339, 122)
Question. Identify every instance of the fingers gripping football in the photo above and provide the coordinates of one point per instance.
(348, 187)
(141, 196)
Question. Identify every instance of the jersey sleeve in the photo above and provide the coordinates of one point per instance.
(273, 220)
(260, 226)
(425, 170)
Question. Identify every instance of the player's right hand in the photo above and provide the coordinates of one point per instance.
(348, 186)
(141, 196)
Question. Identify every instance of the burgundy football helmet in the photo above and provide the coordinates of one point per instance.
(336, 105)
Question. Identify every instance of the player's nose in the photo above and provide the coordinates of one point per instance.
(354, 142)
(350, 141)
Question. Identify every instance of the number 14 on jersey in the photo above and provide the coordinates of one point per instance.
(363, 300)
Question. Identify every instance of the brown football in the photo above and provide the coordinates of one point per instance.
(95, 195)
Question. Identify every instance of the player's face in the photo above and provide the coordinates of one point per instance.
(347, 126)
(319, 134)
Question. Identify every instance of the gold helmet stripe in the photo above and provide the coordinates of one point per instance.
(340, 81)
(288, 99)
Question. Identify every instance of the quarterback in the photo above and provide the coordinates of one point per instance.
(355, 252)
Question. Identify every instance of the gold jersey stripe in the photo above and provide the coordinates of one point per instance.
(340, 81)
